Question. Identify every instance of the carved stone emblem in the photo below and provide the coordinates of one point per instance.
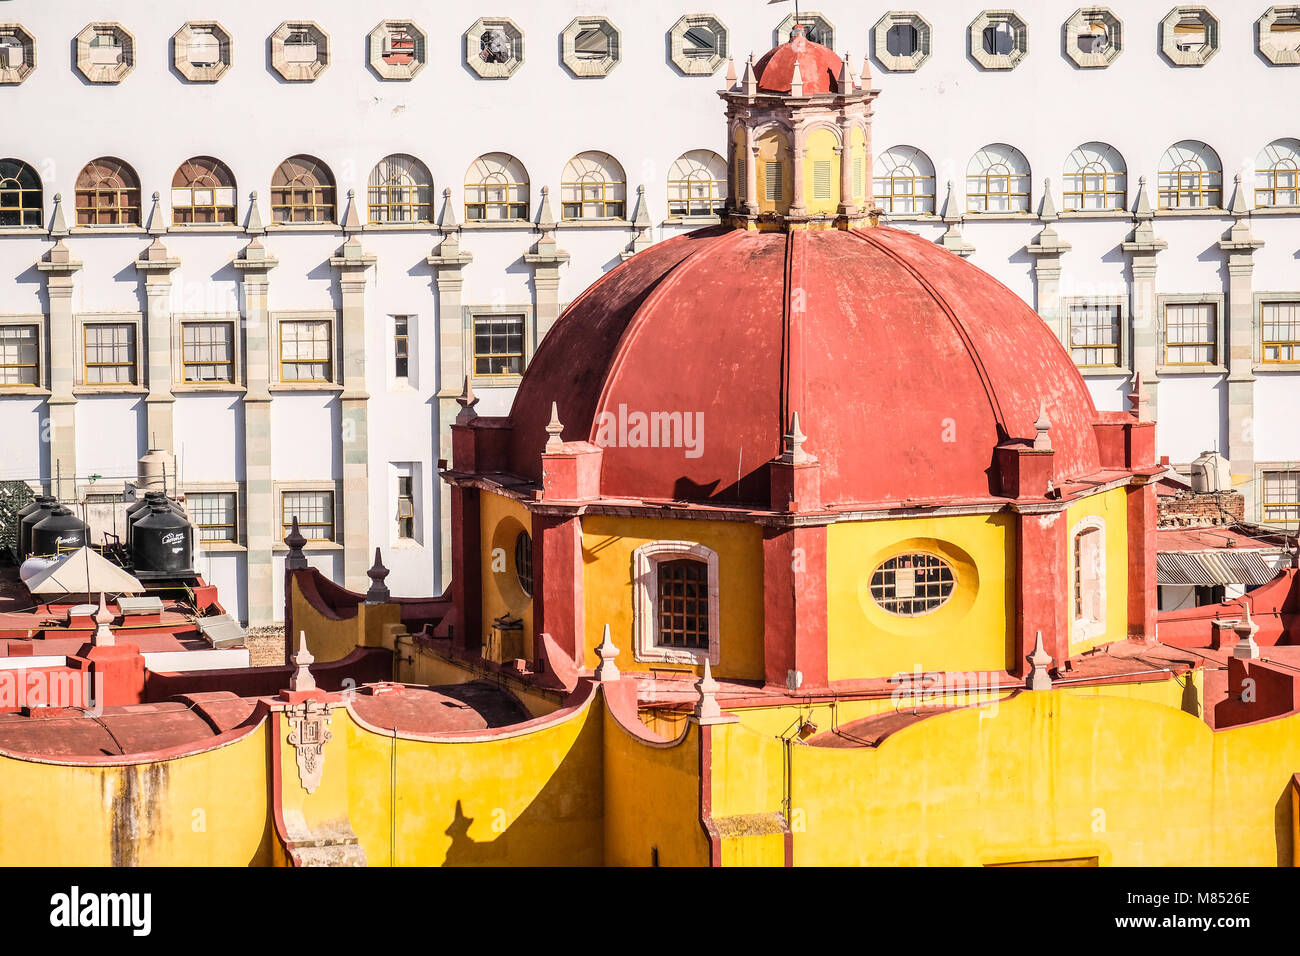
(310, 734)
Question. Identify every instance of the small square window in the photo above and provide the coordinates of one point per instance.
(314, 511)
(1281, 499)
(1095, 335)
(208, 352)
(1280, 332)
(20, 360)
(306, 350)
(1191, 333)
(213, 514)
(109, 350)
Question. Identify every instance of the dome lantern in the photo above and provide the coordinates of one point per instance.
(799, 141)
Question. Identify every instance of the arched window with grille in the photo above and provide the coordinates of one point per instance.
(302, 190)
(203, 192)
(400, 190)
(593, 186)
(108, 194)
(1088, 578)
(496, 189)
(1277, 174)
(1095, 179)
(20, 194)
(904, 178)
(697, 184)
(997, 180)
(1191, 177)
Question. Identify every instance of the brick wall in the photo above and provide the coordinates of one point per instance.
(1188, 510)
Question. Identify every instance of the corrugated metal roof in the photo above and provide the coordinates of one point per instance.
(1209, 568)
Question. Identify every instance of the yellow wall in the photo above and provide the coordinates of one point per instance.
(971, 632)
(209, 809)
(820, 148)
(1111, 507)
(334, 639)
(607, 546)
(861, 185)
(501, 520)
(531, 799)
(1051, 775)
(774, 147)
(652, 800)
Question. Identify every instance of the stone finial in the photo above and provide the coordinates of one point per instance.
(949, 211)
(793, 452)
(155, 225)
(1047, 211)
(1043, 426)
(1238, 207)
(302, 661)
(352, 219)
(103, 618)
(295, 560)
(378, 592)
(1040, 661)
(58, 224)
(642, 238)
(253, 225)
(546, 245)
(1246, 629)
(554, 444)
(606, 670)
(1137, 397)
(1142, 209)
(731, 74)
(796, 80)
(749, 84)
(847, 85)
(952, 239)
(447, 221)
(466, 400)
(864, 78)
(706, 703)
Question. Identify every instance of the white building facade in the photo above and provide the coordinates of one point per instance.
(431, 191)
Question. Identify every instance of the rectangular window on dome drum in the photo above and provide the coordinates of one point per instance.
(773, 174)
(821, 179)
(859, 178)
(684, 604)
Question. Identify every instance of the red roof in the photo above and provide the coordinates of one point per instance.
(819, 67)
(907, 366)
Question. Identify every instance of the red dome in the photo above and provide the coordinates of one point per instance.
(818, 66)
(907, 366)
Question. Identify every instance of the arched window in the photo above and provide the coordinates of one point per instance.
(401, 190)
(697, 184)
(20, 194)
(1088, 572)
(1095, 179)
(496, 189)
(108, 194)
(524, 562)
(1277, 174)
(905, 182)
(1191, 177)
(302, 190)
(997, 180)
(593, 187)
(203, 191)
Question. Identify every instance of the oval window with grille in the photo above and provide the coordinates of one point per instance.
(910, 585)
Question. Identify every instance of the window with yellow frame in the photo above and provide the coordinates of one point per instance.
(306, 350)
(109, 355)
(498, 345)
(208, 352)
(1279, 324)
(20, 363)
(1095, 335)
(1281, 499)
(314, 511)
(1191, 333)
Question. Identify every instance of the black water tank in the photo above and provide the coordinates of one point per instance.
(140, 510)
(58, 531)
(28, 517)
(162, 542)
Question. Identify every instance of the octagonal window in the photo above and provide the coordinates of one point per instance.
(999, 39)
(398, 49)
(17, 53)
(300, 51)
(901, 41)
(105, 52)
(201, 51)
(1189, 36)
(590, 47)
(1093, 37)
(494, 47)
(698, 44)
